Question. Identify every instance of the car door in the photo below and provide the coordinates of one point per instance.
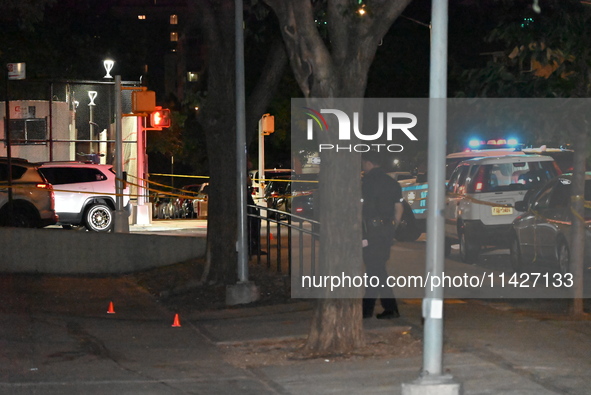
(525, 226)
(69, 185)
(454, 195)
(552, 219)
(539, 210)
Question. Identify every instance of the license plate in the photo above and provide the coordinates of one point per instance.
(502, 210)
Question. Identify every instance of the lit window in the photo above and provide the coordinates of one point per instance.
(141, 17)
(192, 76)
(174, 36)
(174, 19)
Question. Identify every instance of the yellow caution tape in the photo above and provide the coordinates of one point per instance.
(478, 201)
(176, 175)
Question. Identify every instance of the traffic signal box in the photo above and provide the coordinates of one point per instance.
(160, 118)
(143, 101)
(267, 124)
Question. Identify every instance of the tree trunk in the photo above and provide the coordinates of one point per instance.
(577, 253)
(339, 72)
(343, 318)
(218, 120)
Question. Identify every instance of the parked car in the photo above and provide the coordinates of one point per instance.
(481, 196)
(278, 196)
(197, 205)
(415, 192)
(542, 234)
(163, 206)
(562, 156)
(258, 185)
(32, 195)
(85, 194)
(304, 190)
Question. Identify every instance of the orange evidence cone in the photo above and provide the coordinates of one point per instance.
(176, 323)
(111, 309)
(271, 237)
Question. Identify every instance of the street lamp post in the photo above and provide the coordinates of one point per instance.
(91, 95)
(433, 379)
(244, 291)
(108, 65)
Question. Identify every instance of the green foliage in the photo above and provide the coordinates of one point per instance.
(546, 55)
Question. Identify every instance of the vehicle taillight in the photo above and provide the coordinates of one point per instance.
(299, 209)
(49, 188)
(478, 181)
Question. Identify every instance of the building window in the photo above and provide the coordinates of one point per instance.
(141, 17)
(174, 36)
(192, 76)
(174, 19)
(28, 131)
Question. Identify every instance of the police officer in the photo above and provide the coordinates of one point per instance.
(382, 211)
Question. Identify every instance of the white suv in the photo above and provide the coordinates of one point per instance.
(481, 195)
(415, 192)
(84, 194)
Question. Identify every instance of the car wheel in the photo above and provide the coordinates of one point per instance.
(22, 219)
(515, 255)
(408, 228)
(99, 218)
(563, 255)
(469, 248)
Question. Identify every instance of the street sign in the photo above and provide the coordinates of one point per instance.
(16, 71)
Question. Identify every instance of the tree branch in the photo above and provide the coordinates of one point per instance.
(308, 55)
(266, 87)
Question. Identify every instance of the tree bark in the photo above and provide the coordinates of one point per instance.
(338, 71)
(218, 120)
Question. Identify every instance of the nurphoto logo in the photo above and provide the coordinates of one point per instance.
(391, 122)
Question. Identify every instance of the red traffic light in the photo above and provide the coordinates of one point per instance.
(160, 118)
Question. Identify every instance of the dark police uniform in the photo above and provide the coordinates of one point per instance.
(380, 193)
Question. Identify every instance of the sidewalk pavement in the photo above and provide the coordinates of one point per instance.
(57, 338)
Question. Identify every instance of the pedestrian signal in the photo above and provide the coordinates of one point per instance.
(160, 118)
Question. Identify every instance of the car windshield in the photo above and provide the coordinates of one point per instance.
(305, 182)
(500, 177)
(452, 163)
(279, 187)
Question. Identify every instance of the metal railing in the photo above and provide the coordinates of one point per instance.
(279, 236)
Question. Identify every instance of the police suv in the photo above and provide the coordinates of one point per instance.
(415, 193)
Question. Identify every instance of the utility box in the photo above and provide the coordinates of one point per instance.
(143, 101)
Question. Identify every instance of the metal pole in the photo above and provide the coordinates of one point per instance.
(243, 291)
(141, 152)
(432, 380)
(241, 244)
(91, 124)
(433, 301)
(8, 151)
(121, 221)
(51, 122)
(261, 161)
